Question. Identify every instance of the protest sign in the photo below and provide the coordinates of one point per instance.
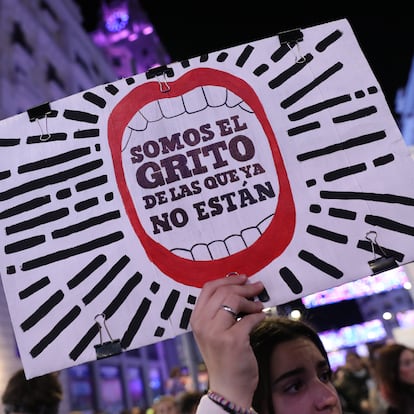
(278, 158)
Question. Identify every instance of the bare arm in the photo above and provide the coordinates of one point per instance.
(224, 341)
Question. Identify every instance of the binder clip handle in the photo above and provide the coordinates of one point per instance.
(39, 112)
(382, 263)
(103, 316)
(109, 348)
(163, 71)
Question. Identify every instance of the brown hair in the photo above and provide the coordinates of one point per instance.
(39, 395)
(188, 401)
(387, 369)
(165, 398)
(271, 332)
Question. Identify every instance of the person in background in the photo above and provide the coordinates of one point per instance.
(354, 386)
(165, 404)
(38, 395)
(175, 383)
(255, 362)
(394, 367)
(188, 401)
(133, 410)
(376, 399)
(337, 378)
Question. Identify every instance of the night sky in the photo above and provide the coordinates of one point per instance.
(189, 28)
(388, 43)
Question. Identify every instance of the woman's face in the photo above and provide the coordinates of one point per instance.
(301, 380)
(407, 366)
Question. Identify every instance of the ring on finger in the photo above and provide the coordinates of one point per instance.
(230, 310)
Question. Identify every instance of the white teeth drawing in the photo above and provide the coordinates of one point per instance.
(236, 186)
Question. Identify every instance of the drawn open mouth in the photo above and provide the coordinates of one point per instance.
(201, 176)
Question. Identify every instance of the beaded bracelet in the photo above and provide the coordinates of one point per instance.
(227, 405)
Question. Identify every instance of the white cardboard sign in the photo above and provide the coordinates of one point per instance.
(274, 158)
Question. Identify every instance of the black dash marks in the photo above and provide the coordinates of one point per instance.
(73, 251)
(320, 264)
(244, 56)
(329, 40)
(291, 280)
(106, 280)
(56, 330)
(86, 271)
(42, 311)
(170, 304)
(34, 287)
(80, 116)
(135, 323)
(95, 99)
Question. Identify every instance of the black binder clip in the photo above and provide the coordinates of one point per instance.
(384, 262)
(163, 71)
(109, 348)
(291, 38)
(40, 112)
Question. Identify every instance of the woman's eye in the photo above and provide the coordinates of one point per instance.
(326, 376)
(293, 388)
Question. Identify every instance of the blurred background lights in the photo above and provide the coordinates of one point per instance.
(387, 316)
(295, 314)
(147, 30)
(407, 285)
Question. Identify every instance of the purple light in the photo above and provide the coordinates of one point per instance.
(384, 282)
(117, 21)
(147, 30)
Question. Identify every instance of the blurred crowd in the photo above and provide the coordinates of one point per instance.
(382, 383)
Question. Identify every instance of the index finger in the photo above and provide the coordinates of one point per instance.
(216, 292)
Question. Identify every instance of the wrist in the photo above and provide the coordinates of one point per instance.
(228, 406)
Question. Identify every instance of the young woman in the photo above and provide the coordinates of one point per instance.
(258, 363)
(394, 368)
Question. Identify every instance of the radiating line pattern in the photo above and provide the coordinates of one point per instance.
(66, 247)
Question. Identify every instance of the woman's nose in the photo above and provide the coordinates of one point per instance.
(325, 395)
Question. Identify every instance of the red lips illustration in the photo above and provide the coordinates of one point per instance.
(275, 238)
